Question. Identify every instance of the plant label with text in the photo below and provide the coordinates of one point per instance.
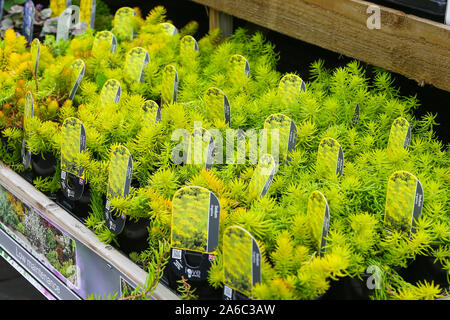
(241, 256)
(73, 143)
(195, 232)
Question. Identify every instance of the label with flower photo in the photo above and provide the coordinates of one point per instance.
(330, 157)
(78, 68)
(73, 143)
(217, 105)
(27, 116)
(400, 134)
(104, 41)
(290, 88)
(195, 231)
(119, 181)
(111, 92)
(318, 214)
(136, 61)
(404, 202)
(287, 134)
(169, 85)
(241, 263)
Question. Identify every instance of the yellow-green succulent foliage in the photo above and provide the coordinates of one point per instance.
(243, 68)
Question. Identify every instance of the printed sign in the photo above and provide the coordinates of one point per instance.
(68, 17)
(195, 231)
(28, 114)
(400, 135)
(123, 23)
(152, 112)
(111, 92)
(241, 263)
(290, 88)
(318, 214)
(119, 181)
(263, 175)
(73, 142)
(286, 133)
(28, 20)
(404, 202)
(217, 105)
(35, 50)
(169, 85)
(331, 156)
(87, 12)
(136, 61)
(104, 41)
(62, 266)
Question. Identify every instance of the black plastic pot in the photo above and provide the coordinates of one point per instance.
(133, 237)
(43, 165)
(424, 268)
(80, 208)
(202, 288)
(348, 288)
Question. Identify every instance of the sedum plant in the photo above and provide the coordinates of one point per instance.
(293, 266)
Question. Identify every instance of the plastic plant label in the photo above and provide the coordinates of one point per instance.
(27, 115)
(287, 133)
(152, 112)
(119, 181)
(2, 4)
(217, 105)
(111, 92)
(73, 143)
(104, 41)
(169, 85)
(58, 6)
(239, 64)
(136, 61)
(290, 88)
(188, 46)
(201, 148)
(28, 20)
(356, 115)
(78, 69)
(68, 17)
(169, 28)
(123, 23)
(35, 50)
(241, 263)
(400, 135)
(195, 231)
(318, 214)
(87, 12)
(404, 202)
(263, 175)
(331, 156)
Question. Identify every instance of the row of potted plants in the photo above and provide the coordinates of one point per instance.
(317, 222)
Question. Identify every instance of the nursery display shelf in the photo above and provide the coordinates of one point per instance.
(414, 47)
(98, 269)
